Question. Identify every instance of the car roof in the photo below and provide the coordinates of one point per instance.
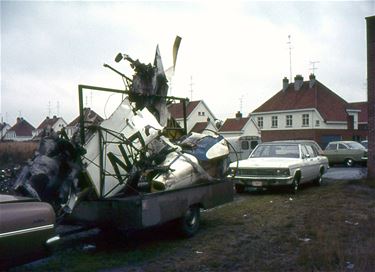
(279, 142)
(296, 141)
(341, 142)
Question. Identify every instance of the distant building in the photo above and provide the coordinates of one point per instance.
(21, 131)
(309, 110)
(198, 116)
(4, 127)
(90, 118)
(239, 126)
(55, 123)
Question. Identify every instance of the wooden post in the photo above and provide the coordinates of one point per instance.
(370, 22)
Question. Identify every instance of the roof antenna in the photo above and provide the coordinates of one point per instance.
(313, 68)
(49, 108)
(290, 58)
(241, 101)
(191, 88)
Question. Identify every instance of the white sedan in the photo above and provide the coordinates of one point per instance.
(279, 164)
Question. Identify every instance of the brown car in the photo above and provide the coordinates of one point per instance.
(26, 226)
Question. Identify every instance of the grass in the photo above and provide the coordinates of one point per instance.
(330, 228)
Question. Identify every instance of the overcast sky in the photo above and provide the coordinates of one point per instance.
(230, 51)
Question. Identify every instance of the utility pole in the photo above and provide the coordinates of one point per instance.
(290, 58)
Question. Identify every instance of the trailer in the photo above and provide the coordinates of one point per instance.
(147, 210)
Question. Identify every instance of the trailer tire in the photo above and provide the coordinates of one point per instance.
(189, 223)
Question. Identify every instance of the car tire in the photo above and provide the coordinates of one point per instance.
(319, 180)
(190, 222)
(239, 188)
(349, 162)
(295, 185)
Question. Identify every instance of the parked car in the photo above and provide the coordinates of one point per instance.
(282, 163)
(365, 143)
(27, 227)
(347, 152)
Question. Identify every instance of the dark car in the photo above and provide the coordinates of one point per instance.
(25, 228)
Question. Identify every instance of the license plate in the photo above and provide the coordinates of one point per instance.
(256, 183)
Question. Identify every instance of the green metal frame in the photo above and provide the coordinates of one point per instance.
(95, 88)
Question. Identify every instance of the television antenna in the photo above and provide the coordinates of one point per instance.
(313, 68)
(290, 57)
(191, 88)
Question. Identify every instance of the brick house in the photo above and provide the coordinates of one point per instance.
(239, 126)
(310, 110)
(21, 131)
(55, 123)
(198, 116)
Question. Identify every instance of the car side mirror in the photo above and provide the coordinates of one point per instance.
(306, 156)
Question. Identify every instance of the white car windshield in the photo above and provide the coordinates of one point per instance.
(276, 151)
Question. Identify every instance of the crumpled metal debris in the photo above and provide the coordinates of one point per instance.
(125, 154)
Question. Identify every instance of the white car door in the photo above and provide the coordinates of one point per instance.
(307, 170)
(314, 162)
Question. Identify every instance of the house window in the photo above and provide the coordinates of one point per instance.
(260, 122)
(317, 123)
(289, 120)
(201, 113)
(305, 120)
(274, 121)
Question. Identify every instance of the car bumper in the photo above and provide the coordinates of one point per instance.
(261, 182)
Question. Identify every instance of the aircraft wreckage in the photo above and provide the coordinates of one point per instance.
(127, 154)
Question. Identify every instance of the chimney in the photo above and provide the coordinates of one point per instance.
(54, 117)
(285, 83)
(312, 80)
(238, 115)
(19, 119)
(298, 82)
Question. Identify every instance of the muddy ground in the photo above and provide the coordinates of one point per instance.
(327, 228)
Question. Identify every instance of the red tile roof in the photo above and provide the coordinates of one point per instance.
(199, 127)
(234, 124)
(22, 128)
(331, 106)
(362, 115)
(48, 122)
(176, 109)
(89, 116)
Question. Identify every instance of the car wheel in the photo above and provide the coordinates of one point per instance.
(295, 186)
(319, 179)
(190, 221)
(239, 188)
(349, 163)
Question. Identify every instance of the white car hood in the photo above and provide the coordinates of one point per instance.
(266, 163)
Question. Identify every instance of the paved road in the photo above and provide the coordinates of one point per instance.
(344, 173)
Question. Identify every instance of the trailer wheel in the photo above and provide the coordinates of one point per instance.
(190, 221)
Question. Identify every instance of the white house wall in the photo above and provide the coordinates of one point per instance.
(314, 116)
